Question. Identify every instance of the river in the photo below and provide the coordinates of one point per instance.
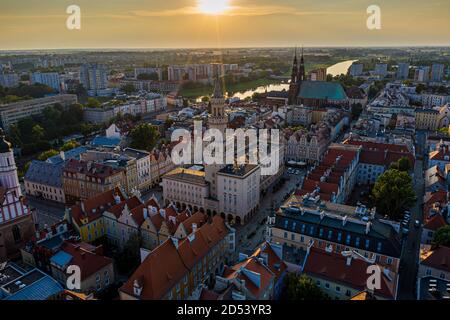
(334, 70)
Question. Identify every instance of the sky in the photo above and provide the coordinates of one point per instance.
(41, 24)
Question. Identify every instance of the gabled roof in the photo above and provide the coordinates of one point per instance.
(94, 207)
(439, 258)
(436, 222)
(333, 267)
(90, 260)
(45, 173)
(165, 266)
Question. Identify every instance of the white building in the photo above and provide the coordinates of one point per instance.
(50, 79)
(9, 80)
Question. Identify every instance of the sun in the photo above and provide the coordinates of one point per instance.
(213, 7)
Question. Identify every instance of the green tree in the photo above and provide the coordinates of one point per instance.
(442, 236)
(129, 258)
(47, 154)
(357, 109)
(301, 288)
(393, 192)
(128, 88)
(144, 137)
(69, 145)
(148, 76)
(93, 103)
(38, 132)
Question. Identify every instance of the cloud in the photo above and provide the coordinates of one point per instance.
(235, 11)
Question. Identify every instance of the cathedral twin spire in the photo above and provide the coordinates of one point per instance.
(298, 71)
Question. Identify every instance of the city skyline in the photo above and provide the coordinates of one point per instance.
(225, 23)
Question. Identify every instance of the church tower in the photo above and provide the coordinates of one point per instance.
(294, 86)
(218, 118)
(301, 70)
(8, 170)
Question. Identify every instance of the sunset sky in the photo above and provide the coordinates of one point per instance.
(41, 24)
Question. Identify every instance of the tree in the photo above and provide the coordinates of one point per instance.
(69, 145)
(148, 76)
(301, 288)
(442, 236)
(93, 103)
(128, 88)
(128, 260)
(403, 164)
(144, 136)
(38, 132)
(357, 109)
(393, 192)
(47, 154)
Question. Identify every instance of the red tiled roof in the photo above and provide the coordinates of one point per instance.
(439, 259)
(95, 206)
(333, 267)
(87, 257)
(435, 222)
(165, 266)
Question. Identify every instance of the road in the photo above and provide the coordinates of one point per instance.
(245, 245)
(411, 248)
(47, 212)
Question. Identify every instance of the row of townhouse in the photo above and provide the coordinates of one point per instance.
(176, 268)
(118, 218)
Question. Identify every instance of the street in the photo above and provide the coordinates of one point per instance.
(254, 226)
(47, 212)
(410, 253)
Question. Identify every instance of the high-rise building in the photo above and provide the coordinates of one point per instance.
(437, 72)
(381, 69)
(356, 69)
(94, 78)
(403, 71)
(422, 74)
(50, 79)
(9, 80)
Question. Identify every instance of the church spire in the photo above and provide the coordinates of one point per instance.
(218, 92)
(301, 69)
(294, 68)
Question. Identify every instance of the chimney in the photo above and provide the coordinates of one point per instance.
(368, 225)
(349, 261)
(62, 155)
(137, 288)
(82, 207)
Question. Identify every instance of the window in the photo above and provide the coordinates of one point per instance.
(16, 234)
(338, 289)
(318, 283)
(428, 272)
(292, 236)
(327, 285)
(285, 235)
(367, 243)
(348, 293)
(321, 232)
(389, 261)
(379, 246)
(340, 236)
(357, 241)
(442, 276)
(347, 241)
(330, 234)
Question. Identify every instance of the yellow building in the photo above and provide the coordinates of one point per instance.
(87, 216)
(427, 119)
